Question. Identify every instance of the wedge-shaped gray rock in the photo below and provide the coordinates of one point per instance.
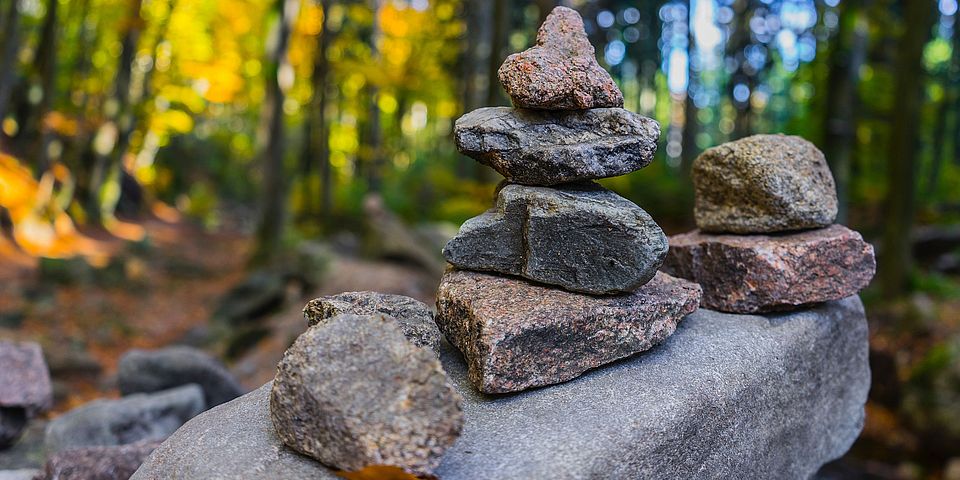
(353, 392)
(517, 335)
(581, 237)
(136, 418)
(538, 147)
(763, 184)
(726, 396)
(414, 317)
(145, 371)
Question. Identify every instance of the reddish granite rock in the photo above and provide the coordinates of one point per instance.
(763, 273)
(24, 388)
(98, 463)
(516, 334)
(560, 72)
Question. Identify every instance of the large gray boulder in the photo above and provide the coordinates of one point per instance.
(581, 237)
(414, 317)
(540, 147)
(147, 371)
(726, 396)
(763, 184)
(135, 418)
(353, 392)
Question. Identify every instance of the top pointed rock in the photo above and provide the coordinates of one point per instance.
(561, 71)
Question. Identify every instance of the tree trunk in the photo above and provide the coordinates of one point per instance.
(739, 41)
(847, 58)
(46, 67)
(373, 140)
(316, 149)
(9, 48)
(269, 233)
(498, 44)
(902, 159)
(688, 142)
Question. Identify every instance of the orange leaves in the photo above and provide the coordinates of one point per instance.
(377, 472)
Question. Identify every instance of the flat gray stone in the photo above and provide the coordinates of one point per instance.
(540, 147)
(581, 237)
(131, 419)
(147, 371)
(726, 396)
(763, 184)
(414, 317)
(20, 474)
(98, 463)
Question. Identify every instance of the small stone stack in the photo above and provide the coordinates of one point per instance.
(590, 292)
(766, 241)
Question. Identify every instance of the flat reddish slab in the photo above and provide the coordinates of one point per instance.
(516, 335)
(763, 273)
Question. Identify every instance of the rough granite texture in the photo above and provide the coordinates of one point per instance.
(763, 184)
(581, 237)
(561, 71)
(353, 392)
(24, 378)
(517, 335)
(726, 396)
(146, 371)
(762, 273)
(136, 418)
(414, 317)
(539, 147)
(98, 463)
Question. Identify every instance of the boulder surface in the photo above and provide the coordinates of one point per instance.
(146, 371)
(561, 71)
(581, 237)
(354, 392)
(762, 273)
(517, 335)
(763, 184)
(414, 317)
(539, 147)
(743, 396)
(98, 463)
(131, 419)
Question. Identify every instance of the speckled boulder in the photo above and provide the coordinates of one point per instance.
(414, 317)
(353, 392)
(517, 335)
(581, 237)
(540, 147)
(561, 71)
(763, 273)
(24, 387)
(763, 184)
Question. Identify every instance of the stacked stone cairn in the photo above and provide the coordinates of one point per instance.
(766, 241)
(560, 276)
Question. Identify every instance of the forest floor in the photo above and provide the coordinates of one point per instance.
(157, 293)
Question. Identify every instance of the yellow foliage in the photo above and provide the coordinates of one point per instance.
(172, 121)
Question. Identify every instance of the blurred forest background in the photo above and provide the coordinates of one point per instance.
(180, 171)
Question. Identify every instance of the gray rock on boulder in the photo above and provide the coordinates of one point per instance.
(98, 463)
(414, 317)
(763, 273)
(354, 392)
(581, 237)
(517, 335)
(561, 71)
(25, 388)
(539, 147)
(726, 396)
(136, 418)
(147, 371)
(763, 184)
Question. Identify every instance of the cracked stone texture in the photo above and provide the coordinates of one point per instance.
(414, 317)
(517, 335)
(353, 392)
(581, 237)
(131, 419)
(146, 371)
(98, 463)
(763, 184)
(539, 147)
(561, 71)
(761, 273)
(726, 396)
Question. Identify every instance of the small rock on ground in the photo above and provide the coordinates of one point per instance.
(147, 371)
(98, 463)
